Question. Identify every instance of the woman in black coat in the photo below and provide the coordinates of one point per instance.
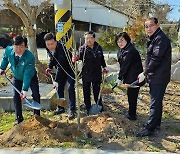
(130, 67)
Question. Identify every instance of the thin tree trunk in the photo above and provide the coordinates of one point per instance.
(32, 46)
(77, 94)
(179, 38)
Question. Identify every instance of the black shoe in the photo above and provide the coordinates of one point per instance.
(157, 127)
(132, 118)
(87, 113)
(17, 122)
(143, 133)
(37, 112)
(102, 109)
(71, 115)
(59, 111)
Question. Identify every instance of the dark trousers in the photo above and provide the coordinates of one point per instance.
(132, 94)
(34, 85)
(157, 92)
(71, 91)
(87, 93)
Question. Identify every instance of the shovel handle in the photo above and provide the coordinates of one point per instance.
(101, 88)
(134, 83)
(12, 85)
(114, 86)
(51, 77)
(55, 87)
(28, 103)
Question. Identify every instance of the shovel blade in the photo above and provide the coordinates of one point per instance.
(127, 86)
(134, 86)
(60, 101)
(95, 109)
(131, 86)
(32, 104)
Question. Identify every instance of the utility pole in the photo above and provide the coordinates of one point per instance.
(63, 28)
(63, 22)
(65, 32)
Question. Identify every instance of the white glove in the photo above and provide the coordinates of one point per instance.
(118, 82)
(55, 85)
(23, 94)
(141, 77)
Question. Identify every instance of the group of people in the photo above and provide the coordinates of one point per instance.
(61, 59)
(156, 72)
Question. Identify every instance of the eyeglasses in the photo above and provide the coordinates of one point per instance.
(120, 41)
(149, 26)
(89, 38)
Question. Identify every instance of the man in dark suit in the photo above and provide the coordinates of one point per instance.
(157, 72)
(59, 57)
(92, 57)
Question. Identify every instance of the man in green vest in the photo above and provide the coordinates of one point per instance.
(22, 64)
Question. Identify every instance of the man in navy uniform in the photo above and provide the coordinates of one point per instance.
(157, 72)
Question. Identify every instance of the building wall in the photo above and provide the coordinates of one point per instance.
(98, 14)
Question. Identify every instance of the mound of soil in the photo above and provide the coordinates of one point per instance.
(39, 131)
(106, 126)
(35, 131)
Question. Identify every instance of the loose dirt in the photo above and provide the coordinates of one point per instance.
(38, 130)
(108, 130)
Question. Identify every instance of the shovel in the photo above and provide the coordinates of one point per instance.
(96, 108)
(59, 101)
(132, 85)
(31, 104)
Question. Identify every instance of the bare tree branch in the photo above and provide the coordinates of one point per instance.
(25, 6)
(28, 15)
(42, 6)
(10, 5)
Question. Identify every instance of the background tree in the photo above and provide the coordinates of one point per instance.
(137, 34)
(141, 9)
(28, 11)
(160, 11)
(178, 29)
(46, 17)
(138, 9)
(108, 39)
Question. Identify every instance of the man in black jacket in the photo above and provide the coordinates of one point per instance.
(157, 71)
(92, 57)
(61, 59)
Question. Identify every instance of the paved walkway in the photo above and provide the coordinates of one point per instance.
(71, 151)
